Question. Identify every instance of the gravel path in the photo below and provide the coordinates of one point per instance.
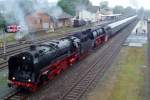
(147, 72)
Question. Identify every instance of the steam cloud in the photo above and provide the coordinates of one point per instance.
(13, 12)
(49, 7)
(135, 3)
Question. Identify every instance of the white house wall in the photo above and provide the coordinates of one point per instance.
(87, 15)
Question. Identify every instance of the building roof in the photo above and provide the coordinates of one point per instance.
(63, 15)
(36, 12)
(111, 15)
(93, 9)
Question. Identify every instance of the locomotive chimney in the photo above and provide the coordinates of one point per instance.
(33, 47)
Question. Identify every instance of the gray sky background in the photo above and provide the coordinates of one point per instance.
(124, 3)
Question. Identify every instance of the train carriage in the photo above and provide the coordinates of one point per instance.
(113, 28)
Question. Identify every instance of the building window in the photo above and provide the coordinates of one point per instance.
(40, 21)
(35, 22)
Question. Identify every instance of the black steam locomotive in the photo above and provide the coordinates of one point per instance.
(42, 62)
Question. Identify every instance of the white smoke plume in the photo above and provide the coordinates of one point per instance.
(84, 12)
(135, 3)
(16, 13)
(49, 7)
(13, 13)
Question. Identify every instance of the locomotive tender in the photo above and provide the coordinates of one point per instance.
(42, 62)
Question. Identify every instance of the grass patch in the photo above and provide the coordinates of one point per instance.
(125, 80)
(130, 79)
(3, 78)
(9, 37)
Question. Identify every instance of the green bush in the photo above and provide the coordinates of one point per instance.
(2, 22)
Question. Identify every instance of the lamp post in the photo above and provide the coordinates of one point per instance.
(4, 45)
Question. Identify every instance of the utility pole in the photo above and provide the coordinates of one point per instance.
(4, 45)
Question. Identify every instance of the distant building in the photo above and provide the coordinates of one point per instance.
(90, 13)
(64, 19)
(111, 17)
(39, 21)
(94, 13)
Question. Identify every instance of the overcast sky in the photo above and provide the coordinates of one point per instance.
(125, 3)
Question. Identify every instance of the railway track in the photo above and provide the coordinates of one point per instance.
(95, 70)
(14, 95)
(17, 48)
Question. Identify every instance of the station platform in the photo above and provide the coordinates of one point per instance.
(138, 36)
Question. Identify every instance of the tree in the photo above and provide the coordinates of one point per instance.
(70, 6)
(129, 11)
(104, 5)
(118, 10)
(2, 22)
(141, 12)
(67, 6)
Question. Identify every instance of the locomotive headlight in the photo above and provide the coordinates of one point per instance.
(13, 78)
(29, 80)
(23, 58)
